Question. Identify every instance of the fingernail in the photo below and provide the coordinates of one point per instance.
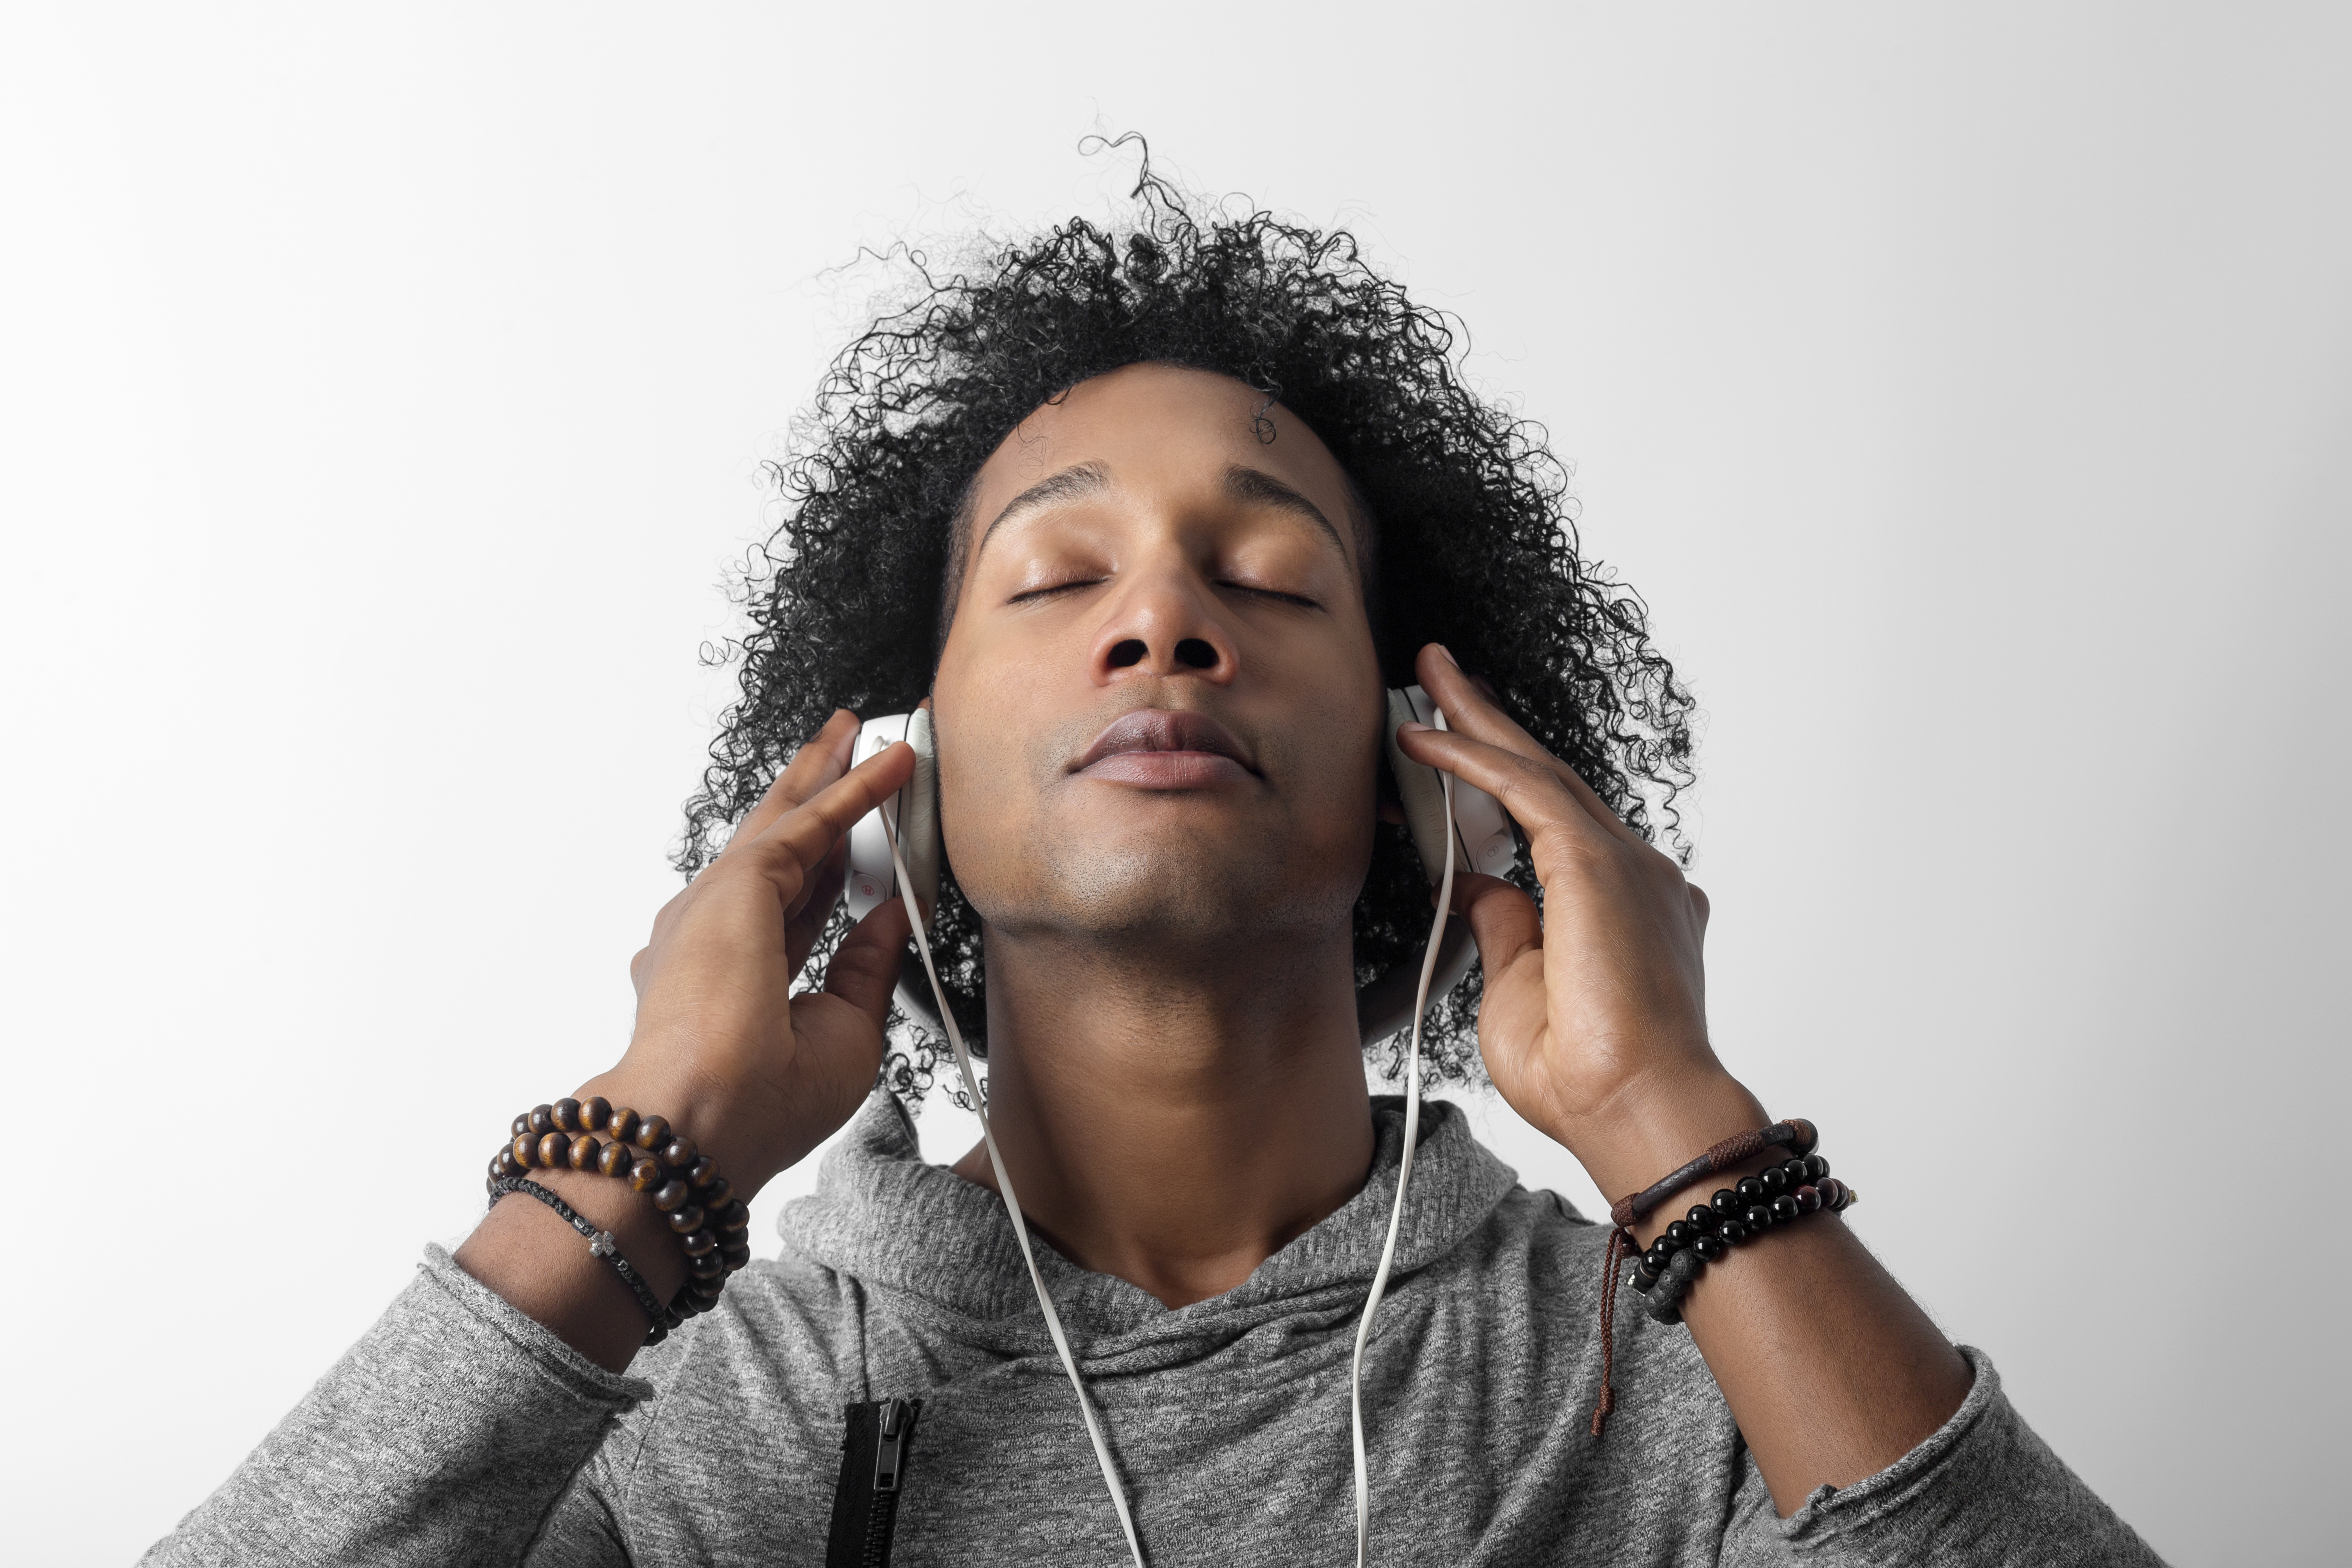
(1415, 726)
(1448, 652)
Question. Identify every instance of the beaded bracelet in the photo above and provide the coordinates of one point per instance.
(1797, 1135)
(1776, 1196)
(1754, 1204)
(684, 1184)
(600, 1244)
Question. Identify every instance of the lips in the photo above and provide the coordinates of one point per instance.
(1159, 748)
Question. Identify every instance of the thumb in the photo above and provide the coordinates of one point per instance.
(1502, 917)
(1511, 1014)
(864, 968)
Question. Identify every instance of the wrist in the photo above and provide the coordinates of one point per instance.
(747, 1149)
(644, 1239)
(1651, 1126)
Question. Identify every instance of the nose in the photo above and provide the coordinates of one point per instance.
(1162, 625)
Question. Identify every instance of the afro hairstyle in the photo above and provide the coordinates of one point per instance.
(1476, 547)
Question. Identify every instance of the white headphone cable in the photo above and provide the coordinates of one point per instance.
(1404, 1172)
(1012, 1202)
(1021, 1227)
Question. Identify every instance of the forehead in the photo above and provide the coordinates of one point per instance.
(1157, 429)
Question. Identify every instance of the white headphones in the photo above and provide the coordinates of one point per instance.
(1482, 835)
(894, 852)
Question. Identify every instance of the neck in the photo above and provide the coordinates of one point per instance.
(1172, 1130)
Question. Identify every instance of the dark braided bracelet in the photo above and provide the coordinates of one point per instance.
(1797, 1135)
(684, 1184)
(600, 1243)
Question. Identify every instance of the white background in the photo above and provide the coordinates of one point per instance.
(1967, 392)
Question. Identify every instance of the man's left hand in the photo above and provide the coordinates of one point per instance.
(1594, 1021)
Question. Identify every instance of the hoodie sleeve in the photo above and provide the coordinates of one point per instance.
(446, 1436)
(1982, 1490)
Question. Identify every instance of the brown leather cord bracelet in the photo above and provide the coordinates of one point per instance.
(684, 1184)
(1796, 1136)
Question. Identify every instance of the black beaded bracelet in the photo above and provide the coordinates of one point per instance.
(1734, 1216)
(1777, 1194)
(1667, 1291)
(601, 1244)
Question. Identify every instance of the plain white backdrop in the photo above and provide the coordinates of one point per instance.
(381, 396)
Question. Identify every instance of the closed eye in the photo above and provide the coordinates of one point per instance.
(1276, 595)
(1049, 590)
(1030, 596)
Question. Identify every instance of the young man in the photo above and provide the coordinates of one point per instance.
(1151, 525)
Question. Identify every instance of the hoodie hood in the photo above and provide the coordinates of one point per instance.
(894, 1224)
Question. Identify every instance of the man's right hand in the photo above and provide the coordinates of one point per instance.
(758, 1077)
(722, 1049)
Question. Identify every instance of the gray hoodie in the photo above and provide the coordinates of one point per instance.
(458, 1431)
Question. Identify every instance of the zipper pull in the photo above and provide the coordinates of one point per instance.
(889, 1445)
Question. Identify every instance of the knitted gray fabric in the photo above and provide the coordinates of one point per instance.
(458, 1431)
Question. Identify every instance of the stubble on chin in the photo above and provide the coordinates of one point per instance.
(1178, 889)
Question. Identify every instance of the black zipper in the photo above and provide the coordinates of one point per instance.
(874, 1449)
(882, 1508)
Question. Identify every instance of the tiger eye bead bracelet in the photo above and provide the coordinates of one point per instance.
(694, 1199)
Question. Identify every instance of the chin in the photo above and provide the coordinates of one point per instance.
(1191, 893)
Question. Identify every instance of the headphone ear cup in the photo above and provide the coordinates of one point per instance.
(1419, 789)
(919, 820)
(919, 817)
(1385, 1006)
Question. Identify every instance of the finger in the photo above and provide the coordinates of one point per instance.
(1537, 798)
(864, 970)
(825, 758)
(1469, 703)
(802, 931)
(805, 835)
(821, 760)
(1471, 710)
(1590, 799)
(1502, 920)
(1509, 933)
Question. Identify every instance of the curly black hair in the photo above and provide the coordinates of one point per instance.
(1477, 543)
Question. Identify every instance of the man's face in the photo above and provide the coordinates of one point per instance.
(1158, 704)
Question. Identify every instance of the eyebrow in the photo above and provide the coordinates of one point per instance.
(1242, 484)
(1255, 485)
(1078, 479)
